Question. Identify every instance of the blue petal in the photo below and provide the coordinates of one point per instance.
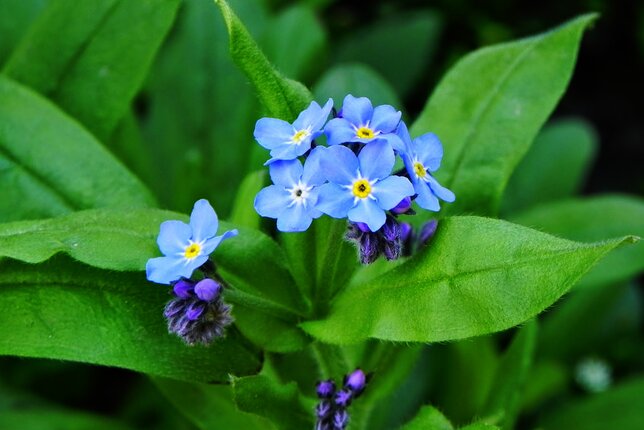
(376, 160)
(272, 200)
(286, 173)
(339, 131)
(334, 200)
(212, 244)
(313, 174)
(395, 141)
(313, 116)
(272, 132)
(203, 221)
(294, 218)
(174, 236)
(289, 151)
(164, 270)
(385, 119)
(390, 191)
(340, 165)
(440, 191)
(357, 110)
(403, 133)
(426, 199)
(368, 212)
(429, 150)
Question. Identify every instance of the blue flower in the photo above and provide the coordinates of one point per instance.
(186, 246)
(422, 156)
(361, 187)
(289, 141)
(358, 121)
(293, 197)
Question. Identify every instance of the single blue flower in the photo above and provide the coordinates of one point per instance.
(361, 187)
(293, 196)
(422, 156)
(186, 246)
(358, 121)
(289, 141)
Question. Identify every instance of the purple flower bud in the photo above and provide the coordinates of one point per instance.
(183, 288)
(405, 231)
(326, 389)
(362, 227)
(356, 381)
(402, 207)
(343, 398)
(173, 308)
(427, 231)
(195, 310)
(340, 419)
(207, 289)
(391, 230)
(323, 409)
(369, 249)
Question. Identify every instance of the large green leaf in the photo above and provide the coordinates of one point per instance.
(50, 165)
(619, 408)
(64, 310)
(554, 167)
(511, 375)
(489, 107)
(91, 57)
(428, 418)
(209, 406)
(591, 219)
(398, 46)
(15, 18)
(283, 98)
(478, 276)
(57, 419)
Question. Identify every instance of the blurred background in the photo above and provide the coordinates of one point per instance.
(189, 135)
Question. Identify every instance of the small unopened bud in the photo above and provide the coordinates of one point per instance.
(326, 389)
(207, 289)
(427, 231)
(343, 398)
(403, 207)
(183, 288)
(340, 419)
(369, 248)
(356, 381)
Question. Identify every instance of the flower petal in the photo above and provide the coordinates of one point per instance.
(164, 270)
(390, 191)
(313, 116)
(403, 133)
(357, 110)
(368, 212)
(174, 236)
(334, 200)
(312, 173)
(429, 150)
(426, 199)
(271, 201)
(340, 165)
(203, 221)
(289, 151)
(212, 244)
(286, 172)
(439, 190)
(339, 131)
(385, 119)
(376, 160)
(294, 218)
(272, 132)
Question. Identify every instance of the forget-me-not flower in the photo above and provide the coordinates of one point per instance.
(358, 121)
(293, 196)
(422, 156)
(289, 141)
(186, 246)
(361, 187)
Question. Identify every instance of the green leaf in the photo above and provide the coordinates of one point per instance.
(429, 418)
(56, 419)
(478, 276)
(592, 219)
(619, 408)
(63, 310)
(15, 18)
(281, 403)
(243, 213)
(92, 57)
(209, 406)
(50, 165)
(489, 107)
(399, 47)
(283, 98)
(555, 166)
(511, 375)
(356, 79)
(547, 379)
(295, 42)
(480, 426)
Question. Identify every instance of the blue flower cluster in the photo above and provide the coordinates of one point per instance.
(331, 413)
(197, 313)
(352, 176)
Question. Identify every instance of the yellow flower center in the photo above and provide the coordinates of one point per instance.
(420, 170)
(192, 251)
(365, 133)
(361, 188)
(300, 136)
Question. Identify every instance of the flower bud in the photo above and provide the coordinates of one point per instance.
(207, 289)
